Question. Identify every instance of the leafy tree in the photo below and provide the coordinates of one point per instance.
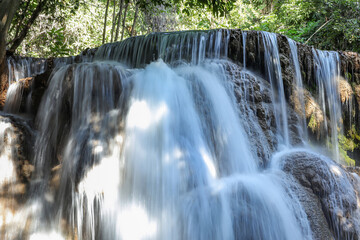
(30, 11)
(65, 27)
(325, 24)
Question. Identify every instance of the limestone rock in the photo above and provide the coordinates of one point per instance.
(345, 91)
(333, 187)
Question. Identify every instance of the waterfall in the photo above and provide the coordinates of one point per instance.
(244, 35)
(20, 68)
(299, 88)
(273, 71)
(169, 139)
(190, 46)
(164, 137)
(13, 98)
(327, 78)
(25, 67)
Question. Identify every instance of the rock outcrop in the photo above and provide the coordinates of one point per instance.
(330, 185)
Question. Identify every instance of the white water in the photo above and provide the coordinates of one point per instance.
(13, 98)
(299, 87)
(274, 75)
(244, 36)
(327, 78)
(20, 68)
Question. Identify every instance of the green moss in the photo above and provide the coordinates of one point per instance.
(353, 133)
(347, 143)
(348, 76)
(348, 160)
(350, 142)
(312, 123)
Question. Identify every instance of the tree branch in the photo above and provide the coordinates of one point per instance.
(18, 40)
(318, 30)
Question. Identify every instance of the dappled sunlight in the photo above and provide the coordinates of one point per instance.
(7, 168)
(17, 221)
(176, 154)
(46, 236)
(98, 149)
(336, 170)
(135, 224)
(141, 115)
(208, 162)
(102, 178)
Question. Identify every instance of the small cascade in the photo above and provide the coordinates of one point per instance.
(273, 73)
(244, 35)
(13, 97)
(299, 88)
(7, 172)
(25, 67)
(20, 68)
(190, 46)
(327, 71)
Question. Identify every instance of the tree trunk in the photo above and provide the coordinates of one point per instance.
(134, 23)
(106, 13)
(17, 41)
(124, 19)
(119, 20)
(7, 11)
(18, 27)
(113, 23)
(4, 82)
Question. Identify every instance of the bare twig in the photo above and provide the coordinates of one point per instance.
(318, 30)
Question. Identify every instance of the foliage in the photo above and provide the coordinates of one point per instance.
(68, 26)
(325, 24)
(348, 143)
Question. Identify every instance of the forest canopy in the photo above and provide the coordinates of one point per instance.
(44, 28)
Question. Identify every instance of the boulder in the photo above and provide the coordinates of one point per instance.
(334, 188)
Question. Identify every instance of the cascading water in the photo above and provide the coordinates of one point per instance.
(162, 137)
(20, 68)
(13, 98)
(273, 71)
(327, 77)
(25, 67)
(299, 88)
(244, 36)
(191, 46)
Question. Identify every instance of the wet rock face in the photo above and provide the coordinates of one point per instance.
(254, 50)
(287, 67)
(253, 98)
(350, 66)
(16, 168)
(333, 187)
(17, 134)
